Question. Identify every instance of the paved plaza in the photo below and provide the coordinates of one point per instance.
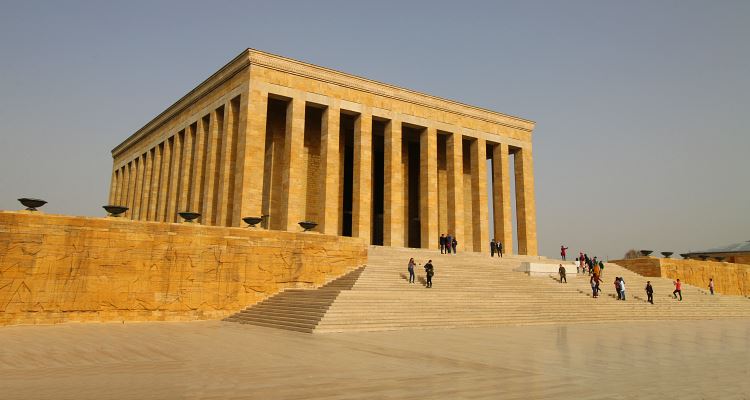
(201, 360)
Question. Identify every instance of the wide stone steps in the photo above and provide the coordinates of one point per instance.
(296, 309)
(473, 290)
(635, 284)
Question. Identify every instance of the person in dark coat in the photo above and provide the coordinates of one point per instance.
(442, 243)
(492, 248)
(594, 285)
(650, 292)
(454, 244)
(562, 271)
(448, 243)
(499, 249)
(429, 271)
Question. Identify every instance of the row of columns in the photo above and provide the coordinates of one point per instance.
(212, 166)
(192, 170)
(329, 185)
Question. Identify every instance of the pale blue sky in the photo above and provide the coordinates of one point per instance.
(641, 106)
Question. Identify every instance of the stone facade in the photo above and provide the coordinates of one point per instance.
(274, 137)
(729, 278)
(60, 268)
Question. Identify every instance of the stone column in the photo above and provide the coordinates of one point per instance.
(226, 169)
(251, 152)
(112, 187)
(501, 197)
(166, 161)
(362, 185)
(186, 170)
(240, 163)
(330, 207)
(174, 179)
(292, 195)
(393, 198)
(455, 160)
(479, 195)
(138, 192)
(120, 183)
(525, 205)
(125, 186)
(148, 172)
(132, 177)
(153, 203)
(209, 172)
(428, 193)
(198, 170)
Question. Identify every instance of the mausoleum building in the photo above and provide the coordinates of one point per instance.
(290, 141)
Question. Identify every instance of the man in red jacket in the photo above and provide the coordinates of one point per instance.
(677, 289)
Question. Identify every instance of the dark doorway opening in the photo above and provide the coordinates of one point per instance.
(378, 180)
(346, 146)
(410, 146)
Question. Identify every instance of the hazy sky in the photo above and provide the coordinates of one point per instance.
(642, 137)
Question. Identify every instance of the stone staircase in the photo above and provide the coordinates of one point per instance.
(471, 289)
(296, 309)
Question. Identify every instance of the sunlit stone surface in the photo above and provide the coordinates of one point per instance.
(650, 360)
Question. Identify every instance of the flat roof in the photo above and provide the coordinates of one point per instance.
(256, 57)
(740, 247)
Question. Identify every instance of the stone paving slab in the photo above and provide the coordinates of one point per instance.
(218, 360)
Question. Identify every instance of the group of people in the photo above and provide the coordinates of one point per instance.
(496, 247)
(429, 270)
(620, 288)
(595, 268)
(448, 243)
(588, 265)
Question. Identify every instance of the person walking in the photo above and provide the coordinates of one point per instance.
(561, 271)
(563, 249)
(448, 243)
(711, 285)
(582, 264)
(622, 288)
(650, 292)
(499, 248)
(429, 271)
(442, 243)
(493, 247)
(617, 288)
(677, 289)
(601, 268)
(454, 243)
(594, 286)
(411, 266)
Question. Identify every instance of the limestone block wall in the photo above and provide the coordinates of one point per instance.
(729, 278)
(59, 268)
(645, 266)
